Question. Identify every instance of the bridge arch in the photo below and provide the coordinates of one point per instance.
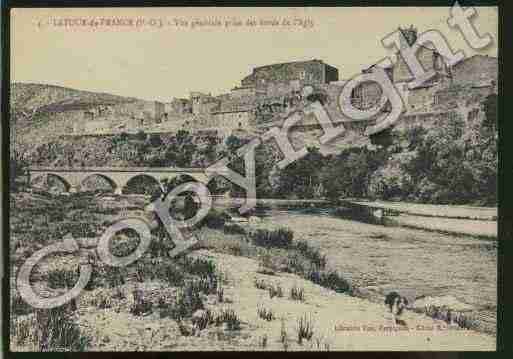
(113, 185)
(136, 185)
(49, 178)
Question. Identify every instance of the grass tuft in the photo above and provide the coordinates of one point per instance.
(261, 284)
(229, 317)
(304, 329)
(20, 307)
(297, 293)
(330, 279)
(234, 229)
(62, 278)
(266, 314)
(275, 291)
(58, 331)
(279, 238)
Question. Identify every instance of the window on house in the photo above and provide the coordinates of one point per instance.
(302, 75)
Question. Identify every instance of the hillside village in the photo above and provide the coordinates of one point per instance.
(263, 99)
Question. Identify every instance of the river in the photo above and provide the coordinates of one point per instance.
(415, 262)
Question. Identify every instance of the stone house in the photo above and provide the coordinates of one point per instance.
(305, 72)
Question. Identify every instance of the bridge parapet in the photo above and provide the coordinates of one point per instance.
(115, 169)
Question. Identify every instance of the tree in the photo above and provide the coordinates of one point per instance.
(302, 177)
(17, 168)
(141, 135)
(318, 97)
(490, 108)
(349, 173)
(181, 150)
(171, 184)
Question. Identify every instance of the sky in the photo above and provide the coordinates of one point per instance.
(159, 63)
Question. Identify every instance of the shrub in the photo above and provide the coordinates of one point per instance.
(214, 219)
(280, 238)
(443, 313)
(229, 317)
(304, 329)
(233, 246)
(188, 301)
(263, 341)
(184, 330)
(283, 335)
(141, 305)
(220, 294)
(62, 278)
(82, 229)
(207, 285)
(202, 319)
(58, 332)
(20, 307)
(118, 294)
(260, 284)
(96, 278)
(102, 300)
(124, 243)
(198, 266)
(275, 291)
(24, 331)
(295, 263)
(234, 229)
(115, 276)
(297, 293)
(171, 273)
(332, 280)
(266, 314)
(311, 253)
(145, 271)
(160, 247)
(266, 264)
(165, 307)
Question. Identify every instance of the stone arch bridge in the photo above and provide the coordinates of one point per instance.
(118, 177)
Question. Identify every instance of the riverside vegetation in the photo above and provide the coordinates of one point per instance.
(191, 291)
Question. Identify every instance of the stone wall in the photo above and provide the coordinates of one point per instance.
(427, 57)
(179, 106)
(476, 69)
(421, 98)
(466, 94)
(230, 121)
(307, 72)
(240, 92)
(202, 104)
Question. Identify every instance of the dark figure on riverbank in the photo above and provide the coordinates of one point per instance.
(396, 303)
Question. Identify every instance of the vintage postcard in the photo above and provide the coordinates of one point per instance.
(253, 179)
